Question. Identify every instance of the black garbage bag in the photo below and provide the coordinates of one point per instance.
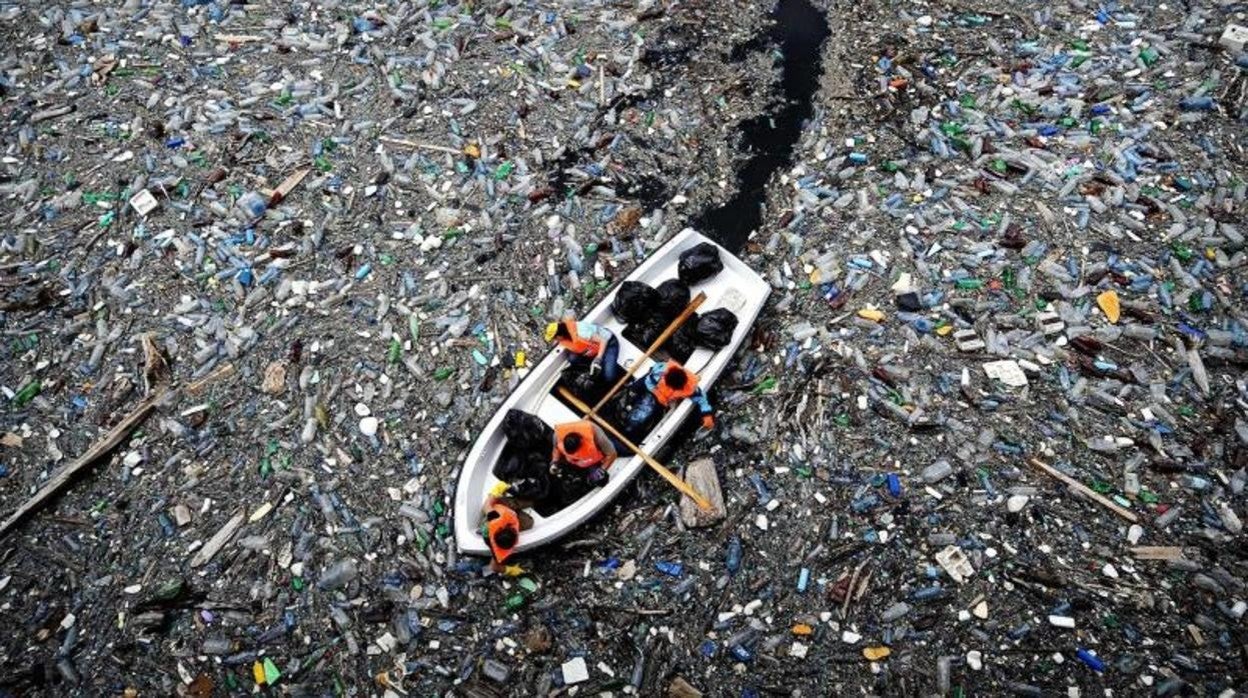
(714, 329)
(616, 409)
(634, 301)
(644, 332)
(673, 298)
(565, 487)
(527, 433)
(584, 384)
(528, 470)
(511, 464)
(681, 344)
(699, 263)
(540, 488)
(909, 302)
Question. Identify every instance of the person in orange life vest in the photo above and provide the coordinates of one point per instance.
(584, 446)
(503, 523)
(666, 384)
(585, 343)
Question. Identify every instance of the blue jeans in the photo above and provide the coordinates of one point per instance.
(610, 360)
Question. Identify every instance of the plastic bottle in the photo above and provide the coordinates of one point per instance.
(339, 575)
(936, 472)
(252, 204)
(1093, 662)
(671, 569)
(1199, 103)
(733, 561)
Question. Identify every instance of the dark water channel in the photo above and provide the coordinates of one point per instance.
(799, 32)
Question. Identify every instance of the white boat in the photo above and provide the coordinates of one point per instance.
(736, 288)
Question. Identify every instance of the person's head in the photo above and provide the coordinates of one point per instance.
(506, 538)
(572, 443)
(676, 379)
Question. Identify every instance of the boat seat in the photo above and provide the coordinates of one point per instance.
(699, 359)
(630, 353)
(552, 412)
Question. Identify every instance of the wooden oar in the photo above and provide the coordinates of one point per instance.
(654, 464)
(654, 346)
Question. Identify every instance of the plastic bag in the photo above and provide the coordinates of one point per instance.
(673, 298)
(527, 433)
(631, 400)
(682, 343)
(567, 486)
(516, 466)
(525, 459)
(584, 384)
(679, 346)
(538, 489)
(699, 263)
(635, 301)
(644, 332)
(714, 329)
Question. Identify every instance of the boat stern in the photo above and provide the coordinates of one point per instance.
(468, 539)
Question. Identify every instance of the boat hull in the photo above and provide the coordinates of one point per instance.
(737, 288)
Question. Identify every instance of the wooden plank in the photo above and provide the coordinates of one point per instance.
(1157, 552)
(288, 185)
(413, 144)
(218, 540)
(1085, 490)
(199, 385)
(111, 439)
(701, 476)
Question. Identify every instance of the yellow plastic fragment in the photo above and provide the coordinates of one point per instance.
(802, 629)
(257, 672)
(472, 150)
(1109, 305)
(874, 654)
(520, 359)
(944, 330)
(871, 314)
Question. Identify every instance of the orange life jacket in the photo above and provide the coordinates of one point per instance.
(494, 525)
(588, 455)
(576, 343)
(666, 395)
